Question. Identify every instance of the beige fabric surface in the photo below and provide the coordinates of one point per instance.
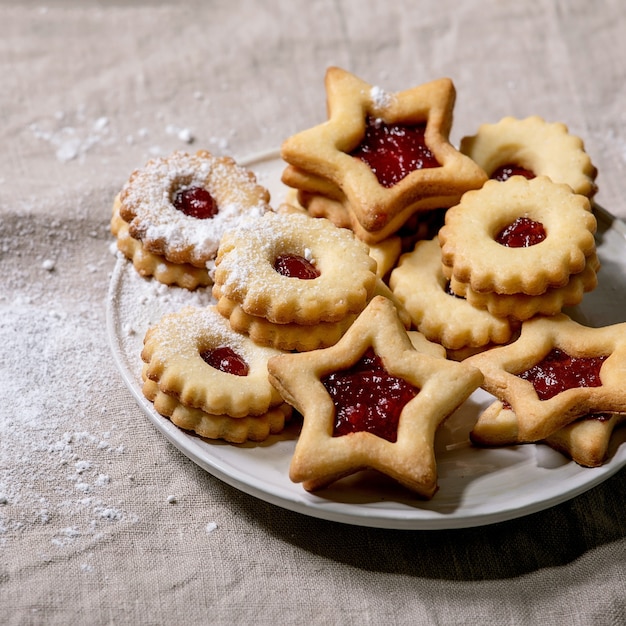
(88, 531)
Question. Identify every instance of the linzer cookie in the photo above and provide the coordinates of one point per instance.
(209, 426)
(371, 401)
(532, 147)
(435, 311)
(195, 357)
(521, 306)
(148, 264)
(291, 281)
(287, 336)
(518, 237)
(586, 440)
(555, 373)
(179, 206)
(380, 157)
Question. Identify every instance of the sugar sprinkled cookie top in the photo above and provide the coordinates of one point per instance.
(147, 203)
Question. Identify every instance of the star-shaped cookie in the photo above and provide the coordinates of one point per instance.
(433, 386)
(596, 369)
(586, 440)
(320, 159)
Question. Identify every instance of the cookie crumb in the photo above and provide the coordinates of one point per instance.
(210, 527)
(48, 265)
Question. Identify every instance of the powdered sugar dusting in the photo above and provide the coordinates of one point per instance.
(37, 435)
(380, 98)
(72, 135)
(149, 193)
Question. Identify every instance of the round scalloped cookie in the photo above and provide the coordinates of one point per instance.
(173, 351)
(149, 264)
(471, 253)
(231, 429)
(420, 286)
(521, 307)
(543, 148)
(148, 204)
(288, 337)
(245, 269)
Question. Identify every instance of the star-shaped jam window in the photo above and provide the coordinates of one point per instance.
(556, 372)
(385, 155)
(371, 401)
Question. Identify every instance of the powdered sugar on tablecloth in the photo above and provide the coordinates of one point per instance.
(43, 435)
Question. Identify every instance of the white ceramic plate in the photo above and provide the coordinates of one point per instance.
(476, 486)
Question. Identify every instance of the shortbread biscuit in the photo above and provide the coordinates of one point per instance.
(189, 354)
(521, 307)
(350, 422)
(148, 264)
(340, 282)
(287, 337)
(318, 205)
(556, 372)
(386, 253)
(179, 206)
(297, 337)
(472, 254)
(310, 184)
(231, 429)
(586, 440)
(538, 147)
(344, 153)
(421, 287)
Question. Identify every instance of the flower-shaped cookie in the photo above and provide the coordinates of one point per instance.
(179, 206)
(148, 264)
(556, 372)
(371, 401)
(209, 426)
(520, 306)
(533, 147)
(384, 156)
(421, 287)
(194, 356)
(333, 274)
(478, 240)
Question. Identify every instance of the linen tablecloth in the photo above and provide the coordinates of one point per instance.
(102, 521)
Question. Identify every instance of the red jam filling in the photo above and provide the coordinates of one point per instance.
(522, 233)
(295, 266)
(504, 172)
(368, 398)
(226, 360)
(558, 371)
(394, 150)
(195, 202)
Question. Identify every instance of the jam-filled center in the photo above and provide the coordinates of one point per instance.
(368, 398)
(225, 359)
(195, 202)
(558, 371)
(504, 172)
(394, 150)
(521, 233)
(295, 266)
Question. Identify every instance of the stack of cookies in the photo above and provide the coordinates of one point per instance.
(380, 158)
(292, 282)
